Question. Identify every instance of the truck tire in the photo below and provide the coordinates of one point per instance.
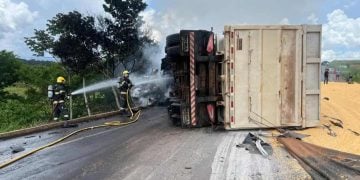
(172, 59)
(173, 40)
(163, 63)
(173, 51)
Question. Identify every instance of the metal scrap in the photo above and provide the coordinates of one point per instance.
(255, 144)
(354, 132)
(260, 148)
(330, 131)
(29, 137)
(68, 125)
(336, 124)
(295, 135)
(283, 133)
(336, 119)
(16, 149)
(266, 134)
(323, 163)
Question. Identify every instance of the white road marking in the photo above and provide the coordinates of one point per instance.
(219, 162)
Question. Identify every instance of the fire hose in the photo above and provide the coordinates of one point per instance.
(134, 117)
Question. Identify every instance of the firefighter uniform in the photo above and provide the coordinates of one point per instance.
(60, 94)
(124, 85)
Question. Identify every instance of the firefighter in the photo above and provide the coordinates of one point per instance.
(60, 94)
(124, 85)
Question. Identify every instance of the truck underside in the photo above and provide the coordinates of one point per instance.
(192, 60)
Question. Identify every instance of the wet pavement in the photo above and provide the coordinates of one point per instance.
(151, 148)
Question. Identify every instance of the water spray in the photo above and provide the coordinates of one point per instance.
(114, 82)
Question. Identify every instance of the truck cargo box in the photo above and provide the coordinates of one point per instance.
(271, 76)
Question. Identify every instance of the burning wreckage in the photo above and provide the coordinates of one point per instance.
(151, 90)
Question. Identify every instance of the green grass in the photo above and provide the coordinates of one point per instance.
(17, 114)
(17, 89)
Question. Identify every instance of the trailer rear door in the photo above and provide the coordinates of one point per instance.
(264, 76)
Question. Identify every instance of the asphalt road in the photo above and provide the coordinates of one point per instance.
(149, 149)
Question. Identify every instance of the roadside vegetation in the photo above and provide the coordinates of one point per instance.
(85, 49)
(346, 68)
(22, 99)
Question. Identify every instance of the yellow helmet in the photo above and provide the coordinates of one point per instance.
(125, 73)
(60, 80)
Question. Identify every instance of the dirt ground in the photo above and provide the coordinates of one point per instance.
(339, 102)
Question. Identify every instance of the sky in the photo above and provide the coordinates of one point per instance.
(340, 19)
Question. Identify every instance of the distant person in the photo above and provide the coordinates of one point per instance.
(124, 86)
(350, 79)
(326, 76)
(337, 75)
(58, 96)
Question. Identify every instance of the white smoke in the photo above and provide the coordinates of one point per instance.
(154, 54)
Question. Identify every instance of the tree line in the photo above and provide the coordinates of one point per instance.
(84, 47)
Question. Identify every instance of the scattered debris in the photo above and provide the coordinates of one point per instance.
(187, 167)
(16, 149)
(68, 125)
(294, 135)
(266, 134)
(260, 148)
(254, 144)
(336, 124)
(330, 131)
(39, 136)
(326, 98)
(30, 136)
(336, 119)
(356, 133)
(55, 132)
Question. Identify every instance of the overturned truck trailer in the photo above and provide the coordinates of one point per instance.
(255, 77)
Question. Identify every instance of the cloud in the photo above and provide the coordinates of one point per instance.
(313, 19)
(341, 30)
(14, 16)
(350, 4)
(285, 21)
(329, 55)
(19, 18)
(341, 37)
(171, 16)
(166, 17)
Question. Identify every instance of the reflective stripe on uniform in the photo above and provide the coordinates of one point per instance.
(123, 93)
(61, 101)
(57, 93)
(55, 102)
(62, 91)
(66, 116)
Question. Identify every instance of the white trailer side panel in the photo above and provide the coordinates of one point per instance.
(265, 71)
(312, 60)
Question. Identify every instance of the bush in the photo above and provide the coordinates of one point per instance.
(17, 113)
